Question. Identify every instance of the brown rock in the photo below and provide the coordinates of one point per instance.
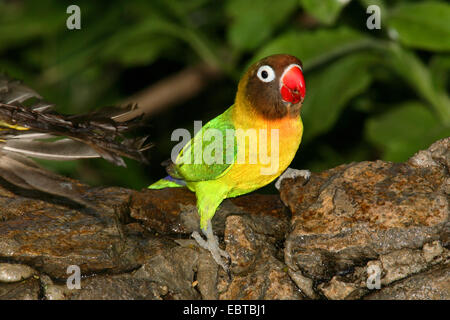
(175, 269)
(305, 284)
(345, 221)
(257, 272)
(10, 272)
(174, 210)
(54, 291)
(401, 263)
(433, 284)
(24, 290)
(353, 213)
(337, 289)
(165, 210)
(118, 287)
(432, 252)
(52, 236)
(54, 233)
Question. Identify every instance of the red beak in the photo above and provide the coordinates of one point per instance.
(292, 86)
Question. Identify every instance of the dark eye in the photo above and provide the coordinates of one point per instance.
(265, 73)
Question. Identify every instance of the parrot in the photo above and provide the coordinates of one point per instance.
(269, 98)
(30, 128)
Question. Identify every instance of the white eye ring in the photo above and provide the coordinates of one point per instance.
(265, 73)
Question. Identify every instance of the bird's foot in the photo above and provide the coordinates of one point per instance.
(290, 173)
(212, 245)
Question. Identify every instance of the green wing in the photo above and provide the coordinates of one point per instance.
(211, 153)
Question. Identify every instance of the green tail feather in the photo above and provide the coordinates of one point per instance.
(163, 183)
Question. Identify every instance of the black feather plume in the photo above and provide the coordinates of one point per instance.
(97, 130)
(29, 127)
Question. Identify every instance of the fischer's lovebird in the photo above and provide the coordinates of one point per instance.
(267, 108)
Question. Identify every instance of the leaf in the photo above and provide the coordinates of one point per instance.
(315, 47)
(329, 90)
(254, 21)
(414, 72)
(422, 25)
(139, 51)
(404, 130)
(439, 68)
(21, 23)
(326, 11)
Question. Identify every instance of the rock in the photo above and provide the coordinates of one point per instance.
(433, 284)
(344, 217)
(243, 244)
(401, 263)
(170, 211)
(305, 284)
(54, 291)
(52, 236)
(387, 272)
(337, 289)
(438, 154)
(340, 231)
(165, 211)
(174, 268)
(15, 272)
(257, 271)
(207, 276)
(24, 290)
(432, 252)
(118, 287)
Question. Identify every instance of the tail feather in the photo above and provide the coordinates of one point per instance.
(30, 128)
(64, 149)
(167, 182)
(97, 130)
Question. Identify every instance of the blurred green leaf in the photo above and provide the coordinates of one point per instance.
(329, 156)
(315, 47)
(422, 25)
(404, 130)
(326, 11)
(440, 70)
(141, 42)
(328, 91)
(414, 72)
(141, 52)
(254, 21)
(37, 20)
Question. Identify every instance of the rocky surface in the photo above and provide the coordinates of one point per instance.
(369, 230)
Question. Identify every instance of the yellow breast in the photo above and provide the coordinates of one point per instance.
(265, 150)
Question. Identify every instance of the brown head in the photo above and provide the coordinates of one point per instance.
(274, 86)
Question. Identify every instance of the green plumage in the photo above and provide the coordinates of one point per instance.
(164, 183)
(191, 167)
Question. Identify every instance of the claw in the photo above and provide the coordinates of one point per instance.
(290, 173)
(212, 245)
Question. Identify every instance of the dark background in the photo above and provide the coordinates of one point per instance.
(371, 94)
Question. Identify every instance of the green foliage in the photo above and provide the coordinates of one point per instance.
(370, 93)
(326, 11)
(417, 129)
(333, 87)
(315, 46)
(253, 22)
(423, 25)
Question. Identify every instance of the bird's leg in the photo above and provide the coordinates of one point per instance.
(212, 245)
(290, 173)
